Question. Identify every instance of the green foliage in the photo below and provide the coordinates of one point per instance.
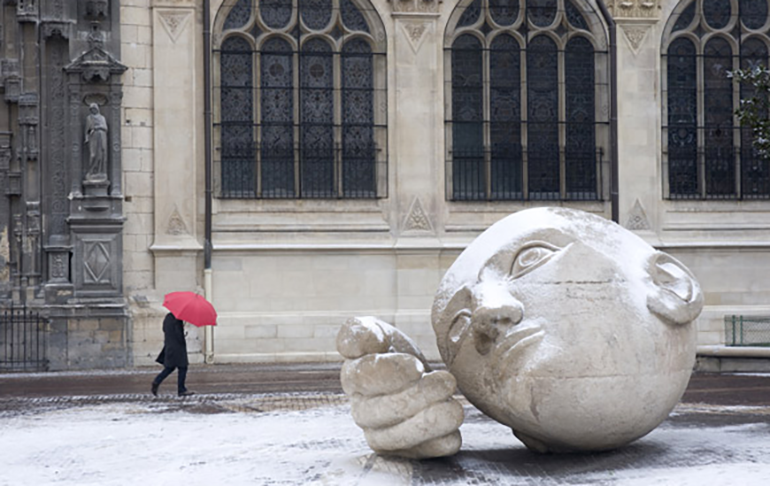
(753, 111)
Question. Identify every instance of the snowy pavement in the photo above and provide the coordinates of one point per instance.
(310, 439)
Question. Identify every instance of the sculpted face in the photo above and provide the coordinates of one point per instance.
(568, 328)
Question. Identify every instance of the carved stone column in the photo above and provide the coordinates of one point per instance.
(416, 121)
(634, 18)
(178, 142)
(55, 202)
(638, 108)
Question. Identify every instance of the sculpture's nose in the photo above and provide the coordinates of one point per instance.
(495, 310)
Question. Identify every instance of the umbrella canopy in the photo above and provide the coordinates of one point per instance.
(191, 307)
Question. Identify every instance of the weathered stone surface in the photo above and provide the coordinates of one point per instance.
(560, 324)
(404, 408)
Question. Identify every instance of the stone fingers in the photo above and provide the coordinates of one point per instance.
(359, 337)
(387, 410)
(438, 420)
(380, 374)
(443, 446)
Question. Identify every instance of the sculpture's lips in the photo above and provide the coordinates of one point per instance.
(510, 347)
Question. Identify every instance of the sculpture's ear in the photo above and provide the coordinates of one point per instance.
(677, 298)
(457, 315)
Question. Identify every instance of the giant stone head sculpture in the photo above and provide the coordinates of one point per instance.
(568, 328)
(560, 324)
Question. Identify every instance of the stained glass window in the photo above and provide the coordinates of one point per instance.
(298, 115)
(707, 155)
(528, 101)
(237, 113)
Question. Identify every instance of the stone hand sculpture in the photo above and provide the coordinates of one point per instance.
(96, 138)
(404, 408)
(560, 324)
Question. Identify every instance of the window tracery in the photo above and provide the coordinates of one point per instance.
(706, 154)
(300, 99)
(527, 103)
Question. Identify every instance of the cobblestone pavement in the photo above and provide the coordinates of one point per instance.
(721, 426)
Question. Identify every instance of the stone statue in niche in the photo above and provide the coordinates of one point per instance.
(560, 324)
(96, 138)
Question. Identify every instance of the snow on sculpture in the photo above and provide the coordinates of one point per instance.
(560, 324)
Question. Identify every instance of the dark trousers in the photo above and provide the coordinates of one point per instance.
(180, 377)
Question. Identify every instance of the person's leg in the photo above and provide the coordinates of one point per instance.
(181, 376)
(161, 376)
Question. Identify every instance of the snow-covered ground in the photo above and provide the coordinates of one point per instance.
(155, 443)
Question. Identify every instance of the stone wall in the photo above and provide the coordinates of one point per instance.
(286, 274)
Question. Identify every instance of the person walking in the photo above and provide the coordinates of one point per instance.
(173, 355)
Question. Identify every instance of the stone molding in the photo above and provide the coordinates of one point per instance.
(174, 3)
(415, 7)
(634, 9)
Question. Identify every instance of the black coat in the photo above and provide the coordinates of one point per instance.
(174, 353)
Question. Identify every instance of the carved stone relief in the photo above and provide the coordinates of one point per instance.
(415, 6)
(11, 80)
(96, 9)
(96, 65)
(637, 218)
(176, 224)
(26, 10)
(57, 8)
(56, 133)
(634, 8)
(56, 29)
(635, 34)
(416, 218)
(96, 262)
(415, 33)
(174, 22)
(58, 265)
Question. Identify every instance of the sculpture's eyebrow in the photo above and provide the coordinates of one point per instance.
(501, 262)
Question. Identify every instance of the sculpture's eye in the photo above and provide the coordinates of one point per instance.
(531, 257)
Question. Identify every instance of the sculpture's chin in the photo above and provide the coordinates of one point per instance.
(588, 413)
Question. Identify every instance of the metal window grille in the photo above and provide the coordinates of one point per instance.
(527, 94)
(747, 330)
(301, 116)
(23, 340)
(707, 155)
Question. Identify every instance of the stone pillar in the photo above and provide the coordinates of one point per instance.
(56, 34)
(638, 54)
(415, 156)
(178, 158)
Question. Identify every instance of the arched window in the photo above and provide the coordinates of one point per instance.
(300, 106)
(527, 105)
(706, 154)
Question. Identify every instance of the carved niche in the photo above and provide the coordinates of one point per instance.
(96, 65)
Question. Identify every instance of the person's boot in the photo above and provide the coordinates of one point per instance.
(186, 393)
(154, 388)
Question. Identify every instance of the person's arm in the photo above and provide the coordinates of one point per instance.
(179, 334)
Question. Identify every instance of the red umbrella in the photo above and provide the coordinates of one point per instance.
(191, 307)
